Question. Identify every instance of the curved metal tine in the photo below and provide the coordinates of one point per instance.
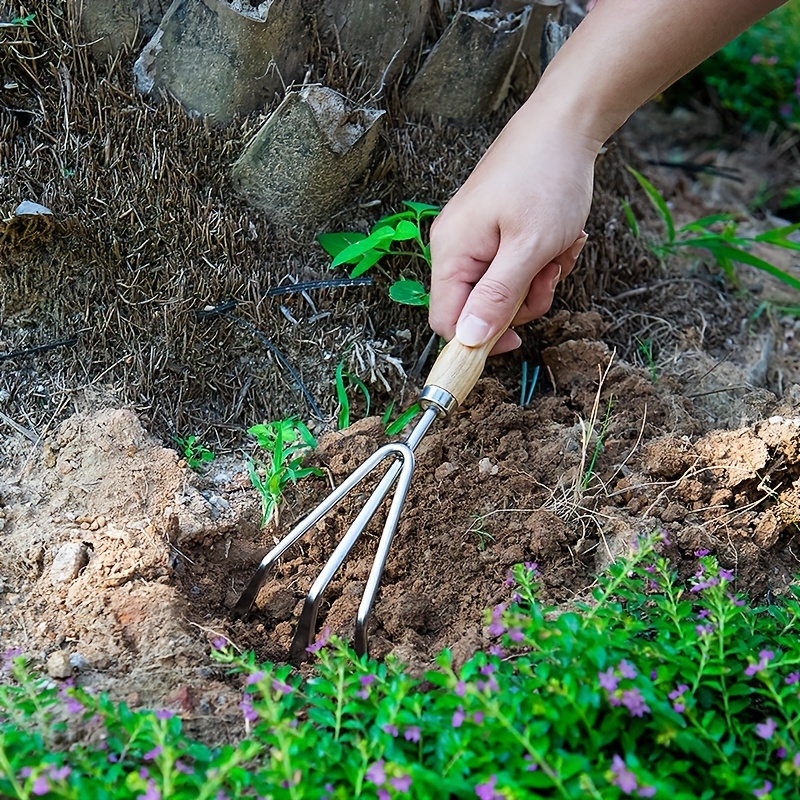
(375, 574)
(248, 597)
(306, 626)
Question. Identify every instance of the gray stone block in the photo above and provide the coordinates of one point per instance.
(467, 72)
(219, 60)
(110, 25)
(301, 163)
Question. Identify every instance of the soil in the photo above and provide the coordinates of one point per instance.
(120, 559)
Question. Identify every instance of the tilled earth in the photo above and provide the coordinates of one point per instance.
(123, 562)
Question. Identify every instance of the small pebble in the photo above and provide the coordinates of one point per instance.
(70, 559)
(58, 665)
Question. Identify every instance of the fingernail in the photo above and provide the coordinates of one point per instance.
(518, 342)
(472, 330)
(556, 279)
(576, 248)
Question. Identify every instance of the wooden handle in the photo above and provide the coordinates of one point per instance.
(458, 367)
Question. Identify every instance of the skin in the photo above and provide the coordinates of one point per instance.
(515, 227)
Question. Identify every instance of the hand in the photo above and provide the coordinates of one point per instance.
(513, 230)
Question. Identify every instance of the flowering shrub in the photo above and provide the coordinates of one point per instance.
(655, 688)
(757, 76)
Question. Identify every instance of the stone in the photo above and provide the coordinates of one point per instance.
(467, 73)
(70, 559)
(220, 60)
(58, 665)
(299, 166)
(377, 34)
(110, 25)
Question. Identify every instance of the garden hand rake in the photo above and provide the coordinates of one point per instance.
(452, 378)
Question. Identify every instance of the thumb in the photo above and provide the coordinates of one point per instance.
(495, 300)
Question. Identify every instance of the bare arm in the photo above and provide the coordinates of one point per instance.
(514, 229)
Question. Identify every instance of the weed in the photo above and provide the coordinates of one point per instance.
(343, 418)
(287, 442)
(389, 236)
(23, 22)
(656, 687)
(724, 245)
(645, 348)
(478, 529)
(393, 428)
(194, 452)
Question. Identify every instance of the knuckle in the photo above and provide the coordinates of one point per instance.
(494, 292)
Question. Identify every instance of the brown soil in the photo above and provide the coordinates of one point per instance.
(118, 557)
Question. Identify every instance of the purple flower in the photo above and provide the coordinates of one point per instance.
(627, 670)
(461, 689)
(623, 777)
(487, 669)
(376, 774)
(702, 552)
(477, 717)
(532, 766)
(531, 566)
(634, 702)
(281, 687)
(249, 713)
(383, 794)
(646, 791)
(402, 783)
(792, 677)
(781, 752)
(390, 729)
(796, 760)
(485, 791)
(184, 768)
(496, 650)
(40, 786)
(608, 680)
(509, 581)
(60, 773)
(704, 630)
(766, 729)
(164, 713)
(153, 754)
(677, 696)
(411, 733)
(765, 789)
(220, 643)
(704, 613)
(458, 717)
(366, 680)
(151, 793)
(254, 678)
(737, 601)
(726, 575)
(72, 704)
(764, 657)
(496, 628)
(320, 641)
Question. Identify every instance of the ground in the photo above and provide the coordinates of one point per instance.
(120, 564)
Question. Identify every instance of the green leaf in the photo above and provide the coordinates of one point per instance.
(422, 209)
(706, 222)
(368, 260)
(629, 216)
(403, 420)
(352, 253)
(744, 257)
(657, 199)
(406, 230)
(410, 293)
(334, 243)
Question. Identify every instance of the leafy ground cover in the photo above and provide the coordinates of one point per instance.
(656, 688)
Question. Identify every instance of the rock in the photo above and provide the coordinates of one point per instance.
(70, 559)
(467, 72)
(111, 25)
(486, 467)
(220, 61)
(58, 665)
(301, 163)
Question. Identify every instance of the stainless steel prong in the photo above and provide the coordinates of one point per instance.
(400, 471)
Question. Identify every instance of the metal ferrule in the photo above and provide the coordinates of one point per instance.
(439, 398)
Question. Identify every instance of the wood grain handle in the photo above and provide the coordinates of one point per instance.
(458, 367)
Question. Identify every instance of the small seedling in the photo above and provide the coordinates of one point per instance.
(598, 445)
(399, 234)
(393, 428)
(717, 234)
(287, 442)
(478, 527)
(23, 22)
(194, 452)
(528, 385)
(645, 348)
(341, 377)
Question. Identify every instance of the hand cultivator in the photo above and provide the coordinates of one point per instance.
(452, 378)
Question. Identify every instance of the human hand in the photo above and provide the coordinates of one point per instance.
(513, 230)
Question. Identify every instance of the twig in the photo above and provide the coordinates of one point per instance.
(29, 351)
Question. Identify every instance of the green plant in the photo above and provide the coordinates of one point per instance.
(645, 348)
(23, 22)
(389, 236)
(392, 428)
(194, 452)
(654, 687)
(478, 528)
(340, 376)
(757, 75)
(717, 234)
(287, 442)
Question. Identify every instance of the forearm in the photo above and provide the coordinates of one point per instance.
(627, 51)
